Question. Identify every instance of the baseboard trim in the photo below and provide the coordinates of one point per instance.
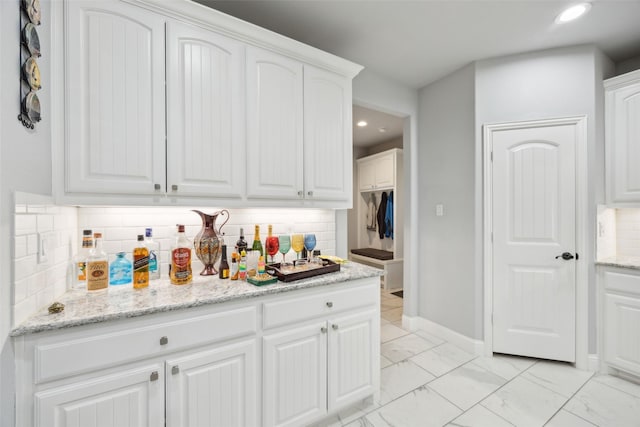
(467, 344)
(593, 363)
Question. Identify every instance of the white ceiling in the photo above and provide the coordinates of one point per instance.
(418, 42)
(371, 135)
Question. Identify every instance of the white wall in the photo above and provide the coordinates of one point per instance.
(382, 94)
(25, 157)
(446, 156)
(553, 83)
(628, 65)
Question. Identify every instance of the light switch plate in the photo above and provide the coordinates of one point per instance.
(439, 210)
(45, 246)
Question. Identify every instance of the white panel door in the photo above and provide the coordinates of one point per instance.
(205, 111)
(354, 353)
(533, 223)
(213, 387)
(274, 126)
(623, 142)
(134, 398)
(295, 376)
(328, 147)
(116, 101)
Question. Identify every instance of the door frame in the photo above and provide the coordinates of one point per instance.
(581, 224)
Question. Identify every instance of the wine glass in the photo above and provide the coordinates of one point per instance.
(284, 244)
(272, 245)
(297, 243)
(309, 244)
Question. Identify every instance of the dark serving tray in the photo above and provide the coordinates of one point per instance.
(327, 267)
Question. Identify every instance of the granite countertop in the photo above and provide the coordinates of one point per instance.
(118, 302)
(621, 261)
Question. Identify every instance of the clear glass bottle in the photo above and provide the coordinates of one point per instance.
(140, 264)
(180, 273)
(81, 259)
(154, 254)
(120, 270)
(242, 266)
(233, 272)
(97, 270)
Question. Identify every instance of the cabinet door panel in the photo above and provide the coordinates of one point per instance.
(274, 126)
(623, 143)
(205, 112)
(353, 357)
(328, 148)
(295, 376)
(385, 171)
(213, 388)
(115, 109)
(127, 399)
(366, 175)
(622, 332)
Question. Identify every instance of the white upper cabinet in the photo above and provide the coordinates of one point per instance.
(205, 112)
(377, 172)
(622, 126)
(115, 99)
(274, 126)
(328, 148)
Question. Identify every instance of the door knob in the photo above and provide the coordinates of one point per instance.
(566, 256)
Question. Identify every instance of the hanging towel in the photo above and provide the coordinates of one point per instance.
(371, 213)
(382, 213)
(388, 218)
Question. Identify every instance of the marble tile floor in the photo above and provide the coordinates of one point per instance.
(426, 381)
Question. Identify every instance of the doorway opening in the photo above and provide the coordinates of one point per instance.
(376, 221)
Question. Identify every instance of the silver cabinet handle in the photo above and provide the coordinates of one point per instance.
(335, 327)
(154, 376)
(174, 187)
(164, 341)
(323, 330)
(329, 304)
(156, 186)
(175, 370)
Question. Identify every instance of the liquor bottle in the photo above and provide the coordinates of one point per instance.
(180, 273)
(120, 270)
(261, 265)
(154, 254)
(242, 266)
(83, 253)
(97, 267)
(224, 265)
(257, 244)
(233, 273)
(140, 264)
(241, 244)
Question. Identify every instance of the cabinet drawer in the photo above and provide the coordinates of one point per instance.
(97, 351)
(292, 310)
(621, 282)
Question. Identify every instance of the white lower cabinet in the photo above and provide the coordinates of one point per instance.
(318, 367)
(201, 366)
(131, 398)
(621, 320)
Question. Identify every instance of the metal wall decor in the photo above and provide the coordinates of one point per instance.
(30, 79)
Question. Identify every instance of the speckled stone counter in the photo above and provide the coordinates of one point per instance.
(118, 302)
(621, 262)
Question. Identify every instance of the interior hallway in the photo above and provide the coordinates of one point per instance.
(426, 381)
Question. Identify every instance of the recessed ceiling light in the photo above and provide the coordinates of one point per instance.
(382, 130)
(573, 12)
(362, 123)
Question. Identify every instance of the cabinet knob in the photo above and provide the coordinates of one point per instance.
(310, 193)
(174, 187)
(323, 330)
(335, 327)
(156, 186)
(329, 304)
(164, 341)
(175, 370)
(154, 376)
(300, 193)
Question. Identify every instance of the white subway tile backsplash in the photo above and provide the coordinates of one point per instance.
(37, 285)
(627, 232)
